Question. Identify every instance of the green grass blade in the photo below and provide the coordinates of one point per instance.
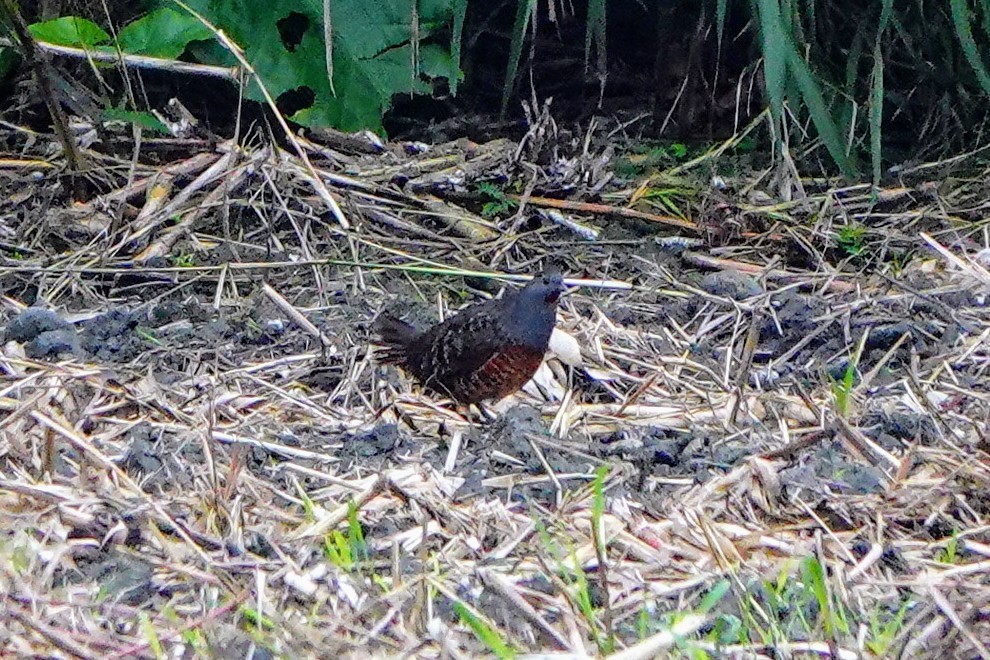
(774, 59)
(485, 633)
(523, 14)
(598, 500)
(151, 635)
(853, 61)
(781, 57)
(713, 597)
(810, 14)
(964, 32)
(355, 533)
(721, 13)
(821, 116)
(594, 35)
(876, 93)
(813, 576)
(985, 13)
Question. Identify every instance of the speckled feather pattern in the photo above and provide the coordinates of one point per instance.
(485, 352)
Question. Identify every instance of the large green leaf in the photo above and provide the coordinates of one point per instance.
(459, 8)
(70, 31)
(162, 33)
(373, 48)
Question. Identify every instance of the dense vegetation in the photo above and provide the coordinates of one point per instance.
(874, 82)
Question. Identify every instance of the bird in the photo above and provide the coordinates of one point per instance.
(486, 352)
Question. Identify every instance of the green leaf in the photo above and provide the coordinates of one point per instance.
(985, 12)
(162, 33)
(774, 59)
(783, 65)
(256, 618)
(151, 635)
(372, 53)
(598, 501)
(713, 597)
(524, 11)
(721, 14)
(813, 576)
(144, 119)
(594, 36)
(820, 114)
(964, 32)
(70, 31)
(460, 12)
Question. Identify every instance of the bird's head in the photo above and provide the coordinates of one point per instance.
(532, 311)
(544, 290)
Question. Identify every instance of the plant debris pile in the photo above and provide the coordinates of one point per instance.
(762, 425)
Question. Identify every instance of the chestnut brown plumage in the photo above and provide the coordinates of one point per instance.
(485, 352)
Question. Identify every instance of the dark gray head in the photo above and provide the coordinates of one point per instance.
(532, 311)
(545, 288)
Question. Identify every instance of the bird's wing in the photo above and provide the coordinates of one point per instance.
(461, 345)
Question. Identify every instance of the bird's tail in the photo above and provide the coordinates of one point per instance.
(396, 336)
